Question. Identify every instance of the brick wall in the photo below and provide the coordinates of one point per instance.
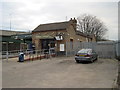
(68, 34)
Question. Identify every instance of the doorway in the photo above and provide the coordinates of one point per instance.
(47, 43)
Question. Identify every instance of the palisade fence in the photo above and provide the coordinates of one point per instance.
(103, 49)
(118, 49)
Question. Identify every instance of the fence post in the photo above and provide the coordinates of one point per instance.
(118, 79)
(114, 45)
(30, 56)
(40, 54)
(66, 49)
(7, 55)
(50, 51)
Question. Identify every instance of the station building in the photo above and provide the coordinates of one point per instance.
(56, 35)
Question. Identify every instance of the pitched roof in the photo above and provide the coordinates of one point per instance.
(84, 34)
(52, 26)
(9, 33)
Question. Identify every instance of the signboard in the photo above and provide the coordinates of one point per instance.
(59, 37)
(62, 47)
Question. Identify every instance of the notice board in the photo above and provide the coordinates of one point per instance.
(62, 48)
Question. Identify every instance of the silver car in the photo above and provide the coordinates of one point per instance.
(86, 55)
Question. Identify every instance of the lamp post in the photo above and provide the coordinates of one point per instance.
(7, 51)
(10, 21)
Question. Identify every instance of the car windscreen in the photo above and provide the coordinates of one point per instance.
(85, 51)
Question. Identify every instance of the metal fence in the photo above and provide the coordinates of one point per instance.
(103, 49)
(28, 54)
(118, 49)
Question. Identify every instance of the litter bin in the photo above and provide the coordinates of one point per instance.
(21, 57)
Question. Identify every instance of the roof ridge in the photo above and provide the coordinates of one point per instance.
(55, 23)
(13, 31)
(52, 26)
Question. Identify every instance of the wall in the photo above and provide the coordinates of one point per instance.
(38, 42)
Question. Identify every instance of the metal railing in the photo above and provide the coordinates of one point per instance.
(28, 54)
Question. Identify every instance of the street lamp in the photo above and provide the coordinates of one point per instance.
(10, 21)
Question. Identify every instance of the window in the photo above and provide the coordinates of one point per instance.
(71, 43)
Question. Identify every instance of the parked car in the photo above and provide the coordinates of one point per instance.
(86, 55)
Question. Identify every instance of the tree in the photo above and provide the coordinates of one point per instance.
(89, 24)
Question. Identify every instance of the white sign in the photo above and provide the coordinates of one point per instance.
(61, 47)
(59, 38)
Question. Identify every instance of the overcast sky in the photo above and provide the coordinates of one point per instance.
(28, 14)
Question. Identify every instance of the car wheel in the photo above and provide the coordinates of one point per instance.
(92, 61)
(96, 59)
(77, 61)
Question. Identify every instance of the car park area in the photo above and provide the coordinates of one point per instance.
(59, 72)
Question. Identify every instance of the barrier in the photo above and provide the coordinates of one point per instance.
(28, 54)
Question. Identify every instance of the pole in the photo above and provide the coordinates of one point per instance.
(7, 51)
(49, 50)
(10, 22)
(66, 18)
(66, 49)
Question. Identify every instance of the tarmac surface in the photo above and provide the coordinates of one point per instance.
(59, 72)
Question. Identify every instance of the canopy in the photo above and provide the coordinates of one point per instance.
(22, 36)
(45, 37)
(9, 39)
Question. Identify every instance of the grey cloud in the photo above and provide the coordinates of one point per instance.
(29, 14)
